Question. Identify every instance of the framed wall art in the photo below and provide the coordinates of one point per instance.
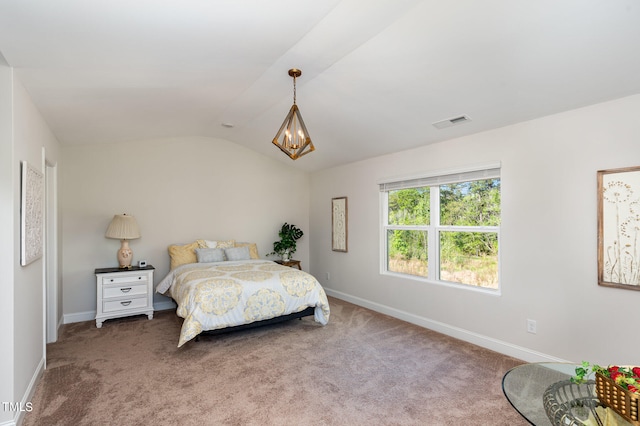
(31, 214)
(339, 219)
(619, 228)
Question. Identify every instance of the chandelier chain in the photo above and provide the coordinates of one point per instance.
(294, 89)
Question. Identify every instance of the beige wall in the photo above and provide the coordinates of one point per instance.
(7, 253)
(24, 137)
(548, 238)
(179, 190)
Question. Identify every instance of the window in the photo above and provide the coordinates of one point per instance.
(443, 227)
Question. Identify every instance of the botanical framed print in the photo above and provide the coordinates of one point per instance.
(31, 214)
(619, 228)
(339, 217)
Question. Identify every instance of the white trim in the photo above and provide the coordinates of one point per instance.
(51, 314)
(91, 315)
(487, 342)
(383, 200)
(450, 284)
(442, 172)
(79, 317)
(28, 395)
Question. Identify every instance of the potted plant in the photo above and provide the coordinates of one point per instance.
(288, 234)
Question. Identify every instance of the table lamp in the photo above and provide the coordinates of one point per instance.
(124, 227)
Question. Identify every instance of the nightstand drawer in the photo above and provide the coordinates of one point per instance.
(128, 279)
(123, 305)
(130, 290)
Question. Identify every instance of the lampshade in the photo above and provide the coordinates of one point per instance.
(293, 138)
(123, 227)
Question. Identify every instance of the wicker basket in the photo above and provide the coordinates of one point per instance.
(618, 399)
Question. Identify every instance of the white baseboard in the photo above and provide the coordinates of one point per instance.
(79, 317)
(91, 315)
(496, 345)
(25, 402)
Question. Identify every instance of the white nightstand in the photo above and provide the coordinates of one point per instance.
(124, 292)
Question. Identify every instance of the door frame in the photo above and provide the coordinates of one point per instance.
(51, 287)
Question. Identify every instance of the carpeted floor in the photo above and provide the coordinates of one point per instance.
(363, 368)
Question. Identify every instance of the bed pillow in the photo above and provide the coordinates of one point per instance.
(253, 249)
(183, 254)
(207, 255)
(217, 244)
(237, 253)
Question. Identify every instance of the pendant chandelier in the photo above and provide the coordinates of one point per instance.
(293, 138)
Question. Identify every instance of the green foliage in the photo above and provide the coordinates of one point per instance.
(409, 207)
(584, 369)
(288, 234)
(474, 203)
(581, 372)
(405, 244)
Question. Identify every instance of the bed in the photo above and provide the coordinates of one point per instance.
(220, 294)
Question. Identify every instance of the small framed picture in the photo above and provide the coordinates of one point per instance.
(339, 219)
(31, 214)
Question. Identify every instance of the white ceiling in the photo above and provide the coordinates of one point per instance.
(375, 73)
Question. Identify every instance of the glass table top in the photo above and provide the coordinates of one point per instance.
(525, 384)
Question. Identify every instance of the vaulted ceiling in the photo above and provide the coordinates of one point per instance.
(376, 74)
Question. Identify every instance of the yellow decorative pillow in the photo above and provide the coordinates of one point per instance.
(217, 244)
(253, 249)
(181, 255)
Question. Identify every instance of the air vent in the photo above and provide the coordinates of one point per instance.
(451, 122)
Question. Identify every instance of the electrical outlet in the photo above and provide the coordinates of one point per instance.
(532, 327)
(328, 276)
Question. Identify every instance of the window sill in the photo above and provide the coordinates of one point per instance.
(483, 290)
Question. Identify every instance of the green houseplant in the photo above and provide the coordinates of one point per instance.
(288, 234)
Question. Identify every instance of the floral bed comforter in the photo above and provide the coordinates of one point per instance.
(222, 294)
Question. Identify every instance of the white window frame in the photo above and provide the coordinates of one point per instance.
(435, 179)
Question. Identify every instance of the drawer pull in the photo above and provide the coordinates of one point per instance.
(127, 303)
(125, 290)
(139, 278)
(111, 280)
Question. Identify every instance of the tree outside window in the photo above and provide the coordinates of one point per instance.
(447, 232)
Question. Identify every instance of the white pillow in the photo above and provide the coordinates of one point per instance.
(207, 255)
(237, 253)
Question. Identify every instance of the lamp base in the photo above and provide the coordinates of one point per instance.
(125, 255)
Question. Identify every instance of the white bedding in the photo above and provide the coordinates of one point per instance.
(223, 294)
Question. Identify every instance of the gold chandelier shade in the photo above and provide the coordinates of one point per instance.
(293, 138)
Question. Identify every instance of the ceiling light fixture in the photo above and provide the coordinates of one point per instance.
(293, 138)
